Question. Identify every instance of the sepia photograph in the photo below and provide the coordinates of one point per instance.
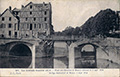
(53, 34)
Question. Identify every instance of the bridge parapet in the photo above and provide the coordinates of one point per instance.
(30, 41)
(61, 38)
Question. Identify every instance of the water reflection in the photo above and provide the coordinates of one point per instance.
(20, 56)
(15, 62)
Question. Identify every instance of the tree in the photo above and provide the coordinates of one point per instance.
(68, 31)
(100, 24)
(77, 31)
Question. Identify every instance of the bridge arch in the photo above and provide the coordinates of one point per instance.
(82, 51)
(88, 54)
(91, 45)
(20, 50)
(21, 54)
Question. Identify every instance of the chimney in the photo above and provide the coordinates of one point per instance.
(10, 8)
(43, 2)
(22, 6)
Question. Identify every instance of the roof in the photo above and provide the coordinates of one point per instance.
(36, 5)
(28, 4)
(9, 11)
(15, 9)
(3, 12)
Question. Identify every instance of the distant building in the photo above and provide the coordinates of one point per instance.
(30, 21)
(8, 24)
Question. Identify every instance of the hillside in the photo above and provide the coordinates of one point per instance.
(100, 24)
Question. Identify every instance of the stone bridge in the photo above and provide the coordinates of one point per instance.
(40, 53)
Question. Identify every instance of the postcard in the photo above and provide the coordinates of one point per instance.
(60, 38)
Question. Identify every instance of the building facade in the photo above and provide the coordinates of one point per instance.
(32, 21)
(8, 24)
(35, 19)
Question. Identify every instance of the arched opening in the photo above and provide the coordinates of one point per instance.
(88, 48)
(88, 54)
(20, 56)
(85, 56)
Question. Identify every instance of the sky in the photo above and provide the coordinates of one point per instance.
(67, 12)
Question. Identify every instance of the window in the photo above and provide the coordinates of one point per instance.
(39, 26)
(15, 27)
(1, 26)
(45, 19)
(27, 35)
(30, 6)
(26, 19)
(9, 25)
(4, 25)
(45, 12)
(34, 25)
(9, 18)
(34, 19)
(27, 26)
(30, 26)
(3, 18)
(45, 25)
(15, 34)
(9, 33)
(30, 13)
